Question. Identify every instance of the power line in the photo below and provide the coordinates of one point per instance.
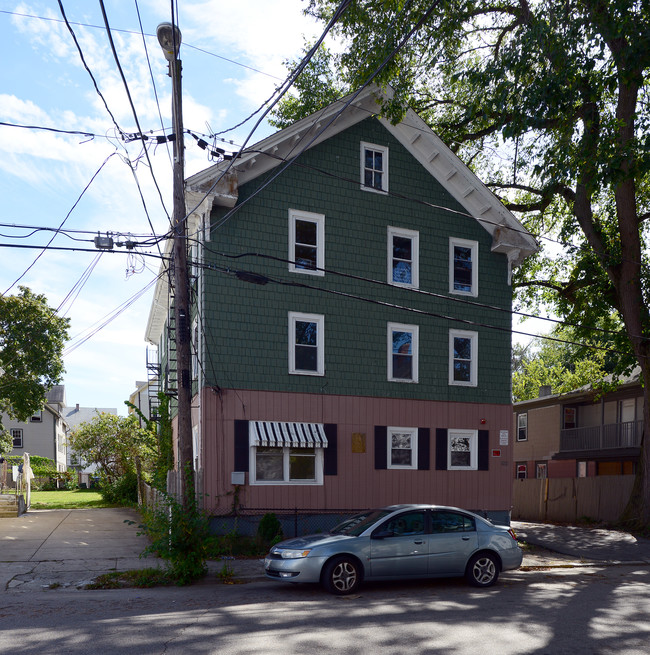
(135, 32)
(83, 60)
(135, 114)
(421, 292)
(60, 226)
(258, 278)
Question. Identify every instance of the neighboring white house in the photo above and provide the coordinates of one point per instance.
(73, 417)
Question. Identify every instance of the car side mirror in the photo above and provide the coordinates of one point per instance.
(382, 534)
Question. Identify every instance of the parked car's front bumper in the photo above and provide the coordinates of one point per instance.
(303, 569)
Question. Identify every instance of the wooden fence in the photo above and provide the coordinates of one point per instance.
(566, 500)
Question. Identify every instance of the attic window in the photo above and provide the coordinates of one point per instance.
(374, 168)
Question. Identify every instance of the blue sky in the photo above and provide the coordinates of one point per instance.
(232, 60)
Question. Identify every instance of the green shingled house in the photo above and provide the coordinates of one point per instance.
(351, 316)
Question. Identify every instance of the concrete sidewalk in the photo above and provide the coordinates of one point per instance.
(69, 548)
(593, 544)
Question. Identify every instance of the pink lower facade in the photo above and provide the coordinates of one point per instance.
(357, 482)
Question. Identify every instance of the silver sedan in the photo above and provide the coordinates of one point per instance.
(398, 542)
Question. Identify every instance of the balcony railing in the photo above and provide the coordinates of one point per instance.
(602, 437)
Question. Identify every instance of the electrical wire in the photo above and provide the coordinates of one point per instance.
(78, 286)
(83, 61)
(419, 292)
(263, 279)
(92, 179)
(125, 31)
(135, 114)
(81, 338)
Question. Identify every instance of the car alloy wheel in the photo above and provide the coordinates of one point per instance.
(341, 576)
(483, 570)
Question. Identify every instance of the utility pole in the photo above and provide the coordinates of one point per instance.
(169, 37)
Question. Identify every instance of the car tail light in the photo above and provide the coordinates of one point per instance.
(511, 532)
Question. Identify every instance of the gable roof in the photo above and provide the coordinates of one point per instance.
(219, 183)
(509, 236)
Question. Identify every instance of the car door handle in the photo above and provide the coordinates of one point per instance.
(420, 542)
(465, 538)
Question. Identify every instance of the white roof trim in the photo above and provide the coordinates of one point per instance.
(509, 235)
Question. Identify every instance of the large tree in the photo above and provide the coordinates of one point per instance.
(32, 337)
(548, 101)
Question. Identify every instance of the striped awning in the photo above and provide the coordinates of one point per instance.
(296, 435)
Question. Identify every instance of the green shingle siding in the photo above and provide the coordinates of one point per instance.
(247, 324)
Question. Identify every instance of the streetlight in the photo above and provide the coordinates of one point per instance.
(169, 37)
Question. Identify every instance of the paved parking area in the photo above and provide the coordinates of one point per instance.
(45, 548)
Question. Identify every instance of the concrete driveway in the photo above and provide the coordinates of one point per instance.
(68, 548)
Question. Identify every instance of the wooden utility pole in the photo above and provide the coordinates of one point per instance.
(169, 37)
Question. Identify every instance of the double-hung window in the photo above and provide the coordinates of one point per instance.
(463, 358)
(462, 451)
(402, 448)
(306, 242)
(403, 257)
(402, 352)
(522, 427)
(17, 437)
(463, 267)
(374, 167)
(306, 344)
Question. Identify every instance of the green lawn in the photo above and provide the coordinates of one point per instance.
(77, 499)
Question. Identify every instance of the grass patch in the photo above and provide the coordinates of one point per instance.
(77, 499)
(142, 578)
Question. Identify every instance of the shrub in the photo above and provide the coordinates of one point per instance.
(181, 537)
(122, 491)
(269, 530)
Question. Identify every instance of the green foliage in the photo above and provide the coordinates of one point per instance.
(6, 442)
(32, 337)
(180, 536)
(563, 364)
(269, 529)
(164, 460)
(141, 578)
(316, 87)
(122, 490)
(113, 443)
(42, 467)
(548, 101)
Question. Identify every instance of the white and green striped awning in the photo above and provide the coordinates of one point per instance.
(296, 435)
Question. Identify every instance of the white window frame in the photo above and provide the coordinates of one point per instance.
(521, 468)
(473, 336)
(463, 243)
(415, 331)
(522, 425)
(473, 449)
(37, 417)
(384, 177)
(17, 432)
(310, 217)
(286, 452)
(319, 319)
(541, 470)
(195, 349)
(414, 237)
(413, 433)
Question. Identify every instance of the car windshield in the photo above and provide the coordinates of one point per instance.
(354, 526)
